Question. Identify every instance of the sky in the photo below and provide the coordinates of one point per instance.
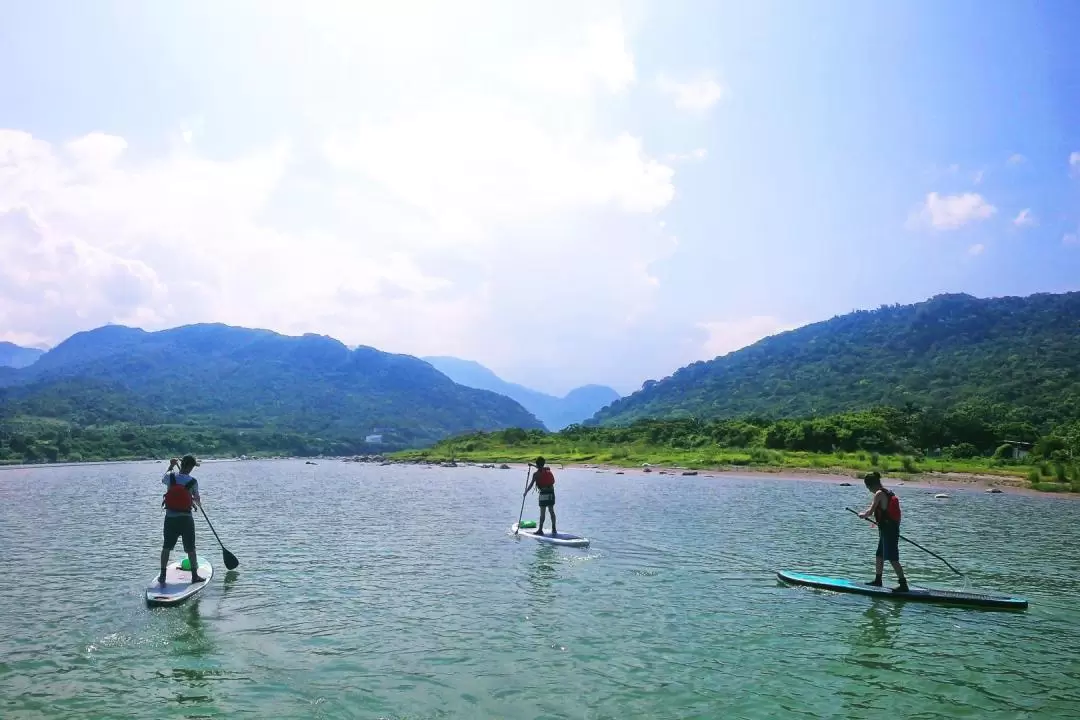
(567, 192)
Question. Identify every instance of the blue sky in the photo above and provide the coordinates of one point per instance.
(565, 192)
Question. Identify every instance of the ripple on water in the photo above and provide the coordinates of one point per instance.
(397, 592)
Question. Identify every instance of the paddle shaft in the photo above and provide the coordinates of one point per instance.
(931, 552)
(230, 560)
(524, 495)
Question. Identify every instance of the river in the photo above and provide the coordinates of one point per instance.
(396, 592)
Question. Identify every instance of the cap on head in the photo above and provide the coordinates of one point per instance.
(872, 479)
(540, 462)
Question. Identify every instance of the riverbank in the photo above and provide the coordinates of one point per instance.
(980, 473)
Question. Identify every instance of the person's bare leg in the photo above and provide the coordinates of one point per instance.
(899, 570)
(552, 511)
(543, 514)
(879, 565)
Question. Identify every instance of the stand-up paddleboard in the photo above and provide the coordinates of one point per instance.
(561, 539)
(178, 586)
(947, 597)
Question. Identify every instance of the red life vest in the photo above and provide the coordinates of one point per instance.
(178, 497)
(545, 478)
(892, 514)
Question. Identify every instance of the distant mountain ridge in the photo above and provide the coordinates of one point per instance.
(1011, 357)
(556, 413)
(16, 356)
(218, 376)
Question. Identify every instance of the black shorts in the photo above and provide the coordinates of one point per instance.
(180, 526)
(888, 546)
(547, 497)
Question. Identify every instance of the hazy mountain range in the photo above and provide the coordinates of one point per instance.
(578, 405)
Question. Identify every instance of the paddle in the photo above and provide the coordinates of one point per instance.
(231, 563)
(913, 543)
(523, 496)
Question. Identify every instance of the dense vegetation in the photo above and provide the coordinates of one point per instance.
(122, 392)
(555, 412)
(909, 440)
(1011, 360)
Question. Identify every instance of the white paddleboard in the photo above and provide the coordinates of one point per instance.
(178, 586)
(561, 539)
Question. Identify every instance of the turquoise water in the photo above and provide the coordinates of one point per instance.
(395, 592)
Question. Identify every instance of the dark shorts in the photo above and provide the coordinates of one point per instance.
(547, 497)
(179, 527)
(888, 546)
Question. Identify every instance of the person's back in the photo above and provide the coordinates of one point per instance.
(544, 480)
(181, 497)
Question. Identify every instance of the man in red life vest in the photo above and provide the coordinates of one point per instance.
(885, 507)
(181, 496)
(544, 480)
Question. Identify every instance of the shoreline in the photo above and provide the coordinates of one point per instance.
(1007, 485)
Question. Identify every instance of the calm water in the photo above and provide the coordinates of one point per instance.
(392, 592)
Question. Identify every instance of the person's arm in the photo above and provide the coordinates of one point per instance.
(870, 510)
(532, 481)
(195, 494)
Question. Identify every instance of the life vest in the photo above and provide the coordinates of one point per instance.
(178, 497)
(545, 479)
(892, 514)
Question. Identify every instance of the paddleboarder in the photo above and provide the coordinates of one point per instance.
(885, 507)
(544, 480)
(181, 496)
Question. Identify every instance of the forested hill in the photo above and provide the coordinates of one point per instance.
(12, 355)
(221, 377)
(1013, 358)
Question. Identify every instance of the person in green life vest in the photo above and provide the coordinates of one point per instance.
(885, 508)
(181, 496)
(544, 480)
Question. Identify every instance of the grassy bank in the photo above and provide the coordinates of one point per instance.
(489, 448)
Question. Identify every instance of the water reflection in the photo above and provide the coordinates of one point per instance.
(882, 624)
(543, 570)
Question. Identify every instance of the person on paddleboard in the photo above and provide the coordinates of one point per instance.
(181, 496)
(544, 480)
(885, 507)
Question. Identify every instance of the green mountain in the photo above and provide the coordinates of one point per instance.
(1010, 358)
(310, 392)
(555, 412)
(14, 356)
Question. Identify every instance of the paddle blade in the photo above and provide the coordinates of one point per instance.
(231, 562)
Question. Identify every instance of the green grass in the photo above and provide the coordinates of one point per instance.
(559, 450)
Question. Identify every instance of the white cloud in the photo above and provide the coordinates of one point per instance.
(1070, 239)
(725, 336)
(976, 249)
(977, 177)
(603, 58)
(1016, 159)
(470, 218)
(96, 151)
(1024, 219)
(1074, 162)
(695, 95)
(475, 164)
(949, 212)
(695, 155)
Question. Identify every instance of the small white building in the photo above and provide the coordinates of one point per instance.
(374, 439)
